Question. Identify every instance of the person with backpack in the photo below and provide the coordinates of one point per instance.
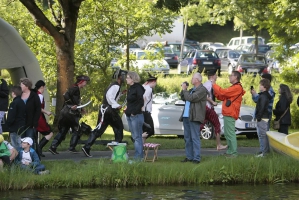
(109, 112)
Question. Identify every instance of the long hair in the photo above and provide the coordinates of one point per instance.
(285, 91)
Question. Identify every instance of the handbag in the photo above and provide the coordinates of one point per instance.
(276, 123)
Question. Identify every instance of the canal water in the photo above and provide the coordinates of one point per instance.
(239, 192)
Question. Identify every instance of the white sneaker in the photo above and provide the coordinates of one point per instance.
(260, 155)
(44, 172)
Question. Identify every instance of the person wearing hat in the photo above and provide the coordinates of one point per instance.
(211, 115)
(43, 126)
(109, 112)
(28, 159)
(7, 153)
(70, 115)
(150, 83)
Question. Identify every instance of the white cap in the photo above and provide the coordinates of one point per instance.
(28, 140)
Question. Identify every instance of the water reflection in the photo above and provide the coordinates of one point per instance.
(238, 192)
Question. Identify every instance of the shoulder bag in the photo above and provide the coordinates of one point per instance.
(276, 123)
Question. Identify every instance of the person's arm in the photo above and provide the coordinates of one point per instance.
(11, 114)
(34, 157)
(37, 110)
(262, 103)
(139, 99)
(197, 95)
(13, 154)
(254, 96)
(4, 91)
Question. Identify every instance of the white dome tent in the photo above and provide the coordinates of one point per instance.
(17, 58)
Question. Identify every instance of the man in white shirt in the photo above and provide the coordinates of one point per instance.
(148, 126)
(109, 112)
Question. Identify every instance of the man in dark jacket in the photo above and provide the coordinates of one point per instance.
(16, 117)
(109, 112)
(262, 116)
(4, 93)
(70, 115)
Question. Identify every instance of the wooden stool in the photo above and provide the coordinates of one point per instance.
(147, 147)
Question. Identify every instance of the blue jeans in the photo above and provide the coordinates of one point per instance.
(192, 139)
(15, 140)
(263, 138)
(135, 125)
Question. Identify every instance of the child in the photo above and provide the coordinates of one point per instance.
(262, 116)
(28, 159)
(7, 153)
(16, 117)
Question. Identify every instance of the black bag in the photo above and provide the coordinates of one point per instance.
(85, 128)
(228, 103)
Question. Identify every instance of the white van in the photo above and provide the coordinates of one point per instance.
(237, 41)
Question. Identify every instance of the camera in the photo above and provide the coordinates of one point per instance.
(187, 84)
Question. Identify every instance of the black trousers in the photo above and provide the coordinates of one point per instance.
(112, 118)
(149, 120)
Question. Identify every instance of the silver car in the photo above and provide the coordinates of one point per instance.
(166, 121)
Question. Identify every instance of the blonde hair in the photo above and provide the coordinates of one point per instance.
(27, 82)
(134, 76)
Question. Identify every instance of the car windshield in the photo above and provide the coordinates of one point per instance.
(206, 54)
(234, 54)
(253, 59)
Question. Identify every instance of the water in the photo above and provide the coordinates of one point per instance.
(240, 192)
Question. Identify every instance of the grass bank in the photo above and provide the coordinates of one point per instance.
(272, 169)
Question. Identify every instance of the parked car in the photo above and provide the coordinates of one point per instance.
(203, 60)
(169, 55)
(243, 47)
(229, 59)
(166, 121)
(132, 47)
(261, 48)
(236, 41)
(144, 63)
(252, 63)
(175, 46)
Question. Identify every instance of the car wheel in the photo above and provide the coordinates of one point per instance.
(207, 132)
(179, 69)
(230, 69)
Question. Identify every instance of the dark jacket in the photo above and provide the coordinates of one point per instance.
(135, 99)
(16, 116)
(261, 110)
(72, 96)
(33, 109)
(280, 107)
(33, 155)
(4, 93)
(198, 100)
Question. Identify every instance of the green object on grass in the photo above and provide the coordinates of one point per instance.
(119, 154)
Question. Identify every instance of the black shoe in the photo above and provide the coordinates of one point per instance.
(86, 152)
(73, 150)
(196, 161)
(53, 150)
(186, 160)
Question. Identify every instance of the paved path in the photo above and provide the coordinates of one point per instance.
(161, 153)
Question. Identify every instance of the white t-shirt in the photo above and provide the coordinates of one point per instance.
(208, 85)
(148, 98)
(26, 157)
(110, 96)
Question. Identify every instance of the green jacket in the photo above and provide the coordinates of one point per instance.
(198, 100)
(4, 151)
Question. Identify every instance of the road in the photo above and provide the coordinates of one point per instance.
(161, 153)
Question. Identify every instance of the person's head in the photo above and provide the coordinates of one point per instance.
(196, 79)
(26, 84)
(120, 76)
(132, 77)
(26, 142)
(235, 77)
(82, 81)
(264, 85)
(1, 138)
(40, 86)
(212, 75)
(16, 91)
(284, 90)
(151, 81)
(267, 76)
